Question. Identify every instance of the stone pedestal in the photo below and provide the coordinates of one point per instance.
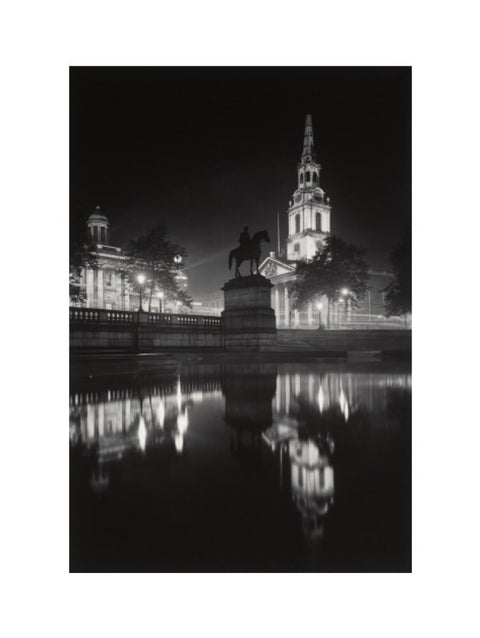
(248, 318)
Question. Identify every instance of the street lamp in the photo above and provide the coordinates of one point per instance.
(177, 259)
(319, 308)
(141, 281)
(160, 298)
(345, 292)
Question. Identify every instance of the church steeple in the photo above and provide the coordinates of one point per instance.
(308, 154)
(309, 213)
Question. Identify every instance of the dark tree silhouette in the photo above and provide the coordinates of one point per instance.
(336, 267)
(398, 294)
(154, 255)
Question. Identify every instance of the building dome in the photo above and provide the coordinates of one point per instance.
(97, 216)
(98, 227)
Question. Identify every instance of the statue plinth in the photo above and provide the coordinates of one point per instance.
(248, 318)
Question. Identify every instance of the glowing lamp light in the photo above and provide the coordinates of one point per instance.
(160, 295)
(141, 279)
(319, 306)
(177, 259)
(344, 291)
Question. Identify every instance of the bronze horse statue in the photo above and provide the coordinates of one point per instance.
(250, 252)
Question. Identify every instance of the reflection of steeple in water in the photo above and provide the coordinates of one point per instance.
(312, 485)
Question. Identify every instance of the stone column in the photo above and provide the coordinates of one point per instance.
(310, 314)
(296, 318)
(95, 288)
(276, 304)
(101, 300)
(287, 307)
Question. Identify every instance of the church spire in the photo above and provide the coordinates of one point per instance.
(308, 154)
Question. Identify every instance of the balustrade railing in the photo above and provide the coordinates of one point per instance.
(83, 314)
(97, 315)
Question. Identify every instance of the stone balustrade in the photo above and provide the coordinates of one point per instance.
(91, 315)
(123, 330)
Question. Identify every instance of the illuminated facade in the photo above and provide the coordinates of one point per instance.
(106, 286)
(309, 214)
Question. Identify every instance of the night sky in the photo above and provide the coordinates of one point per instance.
(209, 150)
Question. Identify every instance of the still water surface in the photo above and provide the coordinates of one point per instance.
(243, 467)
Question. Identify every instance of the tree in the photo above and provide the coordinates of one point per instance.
(82, 253)
(155, 256)
(337, 267)
(398, 294)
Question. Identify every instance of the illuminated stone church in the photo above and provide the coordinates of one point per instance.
(309, 215)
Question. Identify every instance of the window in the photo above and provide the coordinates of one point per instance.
(296, 248)
(307, 178)
(108, 278)
(102, 235)
(318, 221)
(297, 223)
(301, 178)
(314, 178)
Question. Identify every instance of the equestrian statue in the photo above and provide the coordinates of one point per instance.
(249, 250)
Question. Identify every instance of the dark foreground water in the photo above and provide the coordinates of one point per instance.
(243, 467)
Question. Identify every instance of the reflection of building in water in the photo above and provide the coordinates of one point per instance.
(113, 422)
(347, 390)
(312, 484)
(311, 475)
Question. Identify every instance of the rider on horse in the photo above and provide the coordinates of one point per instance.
(244, 240)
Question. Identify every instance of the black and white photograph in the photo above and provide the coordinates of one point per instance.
(240, 319)
(239, 280)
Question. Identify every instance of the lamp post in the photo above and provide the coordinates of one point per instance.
(160, 299)
(345, 292)
(319, 308)
(141, 281)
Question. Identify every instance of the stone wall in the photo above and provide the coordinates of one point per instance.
(347, 340)
(143, 332)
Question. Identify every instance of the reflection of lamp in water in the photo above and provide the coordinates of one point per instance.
(182, 426)
(321, 399)
(342, 400)
(142, 434)
(161, 413)
(179, 394)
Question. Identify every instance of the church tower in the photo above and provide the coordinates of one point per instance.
(309, 212)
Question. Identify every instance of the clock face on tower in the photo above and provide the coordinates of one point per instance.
(317, 193)
(298, 198)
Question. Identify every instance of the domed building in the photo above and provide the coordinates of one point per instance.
(106, 285)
